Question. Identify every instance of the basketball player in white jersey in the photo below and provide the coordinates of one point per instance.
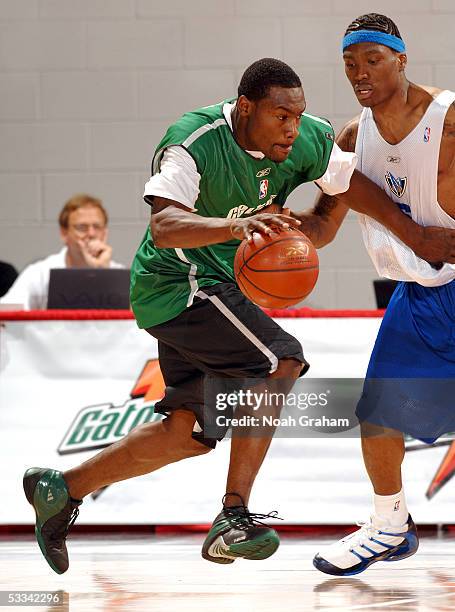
(405, 142)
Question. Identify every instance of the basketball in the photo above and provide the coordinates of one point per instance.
(278, 270)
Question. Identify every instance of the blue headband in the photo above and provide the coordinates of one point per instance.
(376, 37)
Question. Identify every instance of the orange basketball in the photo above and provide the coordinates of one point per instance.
(278, 270)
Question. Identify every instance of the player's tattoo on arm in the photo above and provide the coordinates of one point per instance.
(312, 227)
(319, 225)
(325, 205)
(351, 136)
(346, 141)
(348, 136)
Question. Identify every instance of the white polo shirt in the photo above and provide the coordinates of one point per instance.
(31, 286)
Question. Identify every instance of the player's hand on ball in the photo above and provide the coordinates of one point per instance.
(264, 223)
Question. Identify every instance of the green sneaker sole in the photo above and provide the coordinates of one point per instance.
(260, 548)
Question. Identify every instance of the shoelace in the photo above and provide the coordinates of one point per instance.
(242, 513)
(66, 525)
(366, 532)
(358, 538)
(73, 517)
(242, 517)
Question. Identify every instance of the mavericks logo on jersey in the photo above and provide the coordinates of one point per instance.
(397, 184)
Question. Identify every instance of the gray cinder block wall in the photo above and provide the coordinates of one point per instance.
(88, 87)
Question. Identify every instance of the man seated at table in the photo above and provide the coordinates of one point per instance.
(83, 229)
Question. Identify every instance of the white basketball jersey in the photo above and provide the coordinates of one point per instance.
(408, 173)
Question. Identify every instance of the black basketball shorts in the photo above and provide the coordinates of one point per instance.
(222, 334)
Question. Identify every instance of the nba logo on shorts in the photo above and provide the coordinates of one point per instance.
(263, 188)
(426, 134)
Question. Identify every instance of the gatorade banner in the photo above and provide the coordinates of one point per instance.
(69, 388)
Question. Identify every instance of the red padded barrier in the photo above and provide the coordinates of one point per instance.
(97, 315)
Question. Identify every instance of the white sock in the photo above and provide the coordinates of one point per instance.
(391, 509)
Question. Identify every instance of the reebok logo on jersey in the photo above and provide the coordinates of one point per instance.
(393, 160)
(263, 188)
(397, 184)
(426, 134)
(263, 172)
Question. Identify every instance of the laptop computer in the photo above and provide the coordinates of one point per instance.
(89, 288)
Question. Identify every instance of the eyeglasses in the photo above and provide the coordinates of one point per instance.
(83, 228)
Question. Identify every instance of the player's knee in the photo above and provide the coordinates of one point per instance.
(372, 431)
(288, 368)
(179, 428)
(197, 448)
(186, 448)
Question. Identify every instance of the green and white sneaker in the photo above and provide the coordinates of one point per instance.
(55, 511)
(236, 532)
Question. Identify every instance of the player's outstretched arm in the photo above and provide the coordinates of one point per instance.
(175, 226)
(321, 223)
(434, 244)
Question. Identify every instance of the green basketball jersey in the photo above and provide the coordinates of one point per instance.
(233, 184)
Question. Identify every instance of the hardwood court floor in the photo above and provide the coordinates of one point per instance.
(166, 573)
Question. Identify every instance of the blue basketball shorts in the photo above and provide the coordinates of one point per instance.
(410, 381)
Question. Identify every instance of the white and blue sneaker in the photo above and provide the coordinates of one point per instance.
(375, 541)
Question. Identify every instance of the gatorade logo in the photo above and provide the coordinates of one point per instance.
(99, 426)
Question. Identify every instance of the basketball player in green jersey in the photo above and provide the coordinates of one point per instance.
(215, 175)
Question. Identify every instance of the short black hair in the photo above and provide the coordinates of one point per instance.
(375, 22)
(267, 72)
